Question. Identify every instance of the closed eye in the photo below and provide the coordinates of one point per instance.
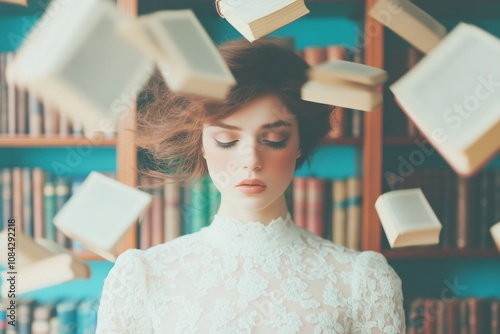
(273, 144)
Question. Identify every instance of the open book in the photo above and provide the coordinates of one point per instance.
(407, 218)
(40, 263)
(100, 213)
(495, 233)
(453, 97)
(257, 18)
(344, 84)
(185, 54)
(75, 59)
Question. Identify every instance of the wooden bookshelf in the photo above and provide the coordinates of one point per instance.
(343, 141)
(403, 141)
(432, 253)
(53, 141)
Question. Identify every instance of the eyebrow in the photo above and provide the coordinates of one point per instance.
(265, 126)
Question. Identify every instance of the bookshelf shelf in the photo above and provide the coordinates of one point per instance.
(428, 253)
(26, 141)
(342, 141)
(403, 141)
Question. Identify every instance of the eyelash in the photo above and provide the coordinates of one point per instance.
(274, 145)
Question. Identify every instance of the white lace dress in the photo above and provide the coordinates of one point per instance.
(234, 277)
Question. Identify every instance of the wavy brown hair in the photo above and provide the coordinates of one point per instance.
(170, 125)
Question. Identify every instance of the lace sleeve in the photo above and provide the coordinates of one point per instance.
(123, 306)
(377, 296)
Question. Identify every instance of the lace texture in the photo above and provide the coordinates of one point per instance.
(233, 278)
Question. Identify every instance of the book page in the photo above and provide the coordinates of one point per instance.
(456, 88)
(251, 10)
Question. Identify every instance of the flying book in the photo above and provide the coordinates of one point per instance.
(453, 97)
(495, 233)
(77, 61)
(407, 218)
(258, 18)
(40, 263)
(16, 2)
(344, 84)
(100, 213)
(410, 22)
(185, 54)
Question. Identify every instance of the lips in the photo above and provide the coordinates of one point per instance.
(251, 182)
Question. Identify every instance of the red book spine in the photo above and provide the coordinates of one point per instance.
(299, 201)
(315, 207)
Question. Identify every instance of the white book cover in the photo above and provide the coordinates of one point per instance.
(75, 58)
(101, 212)
(453, 97)
(184, 52)
(408, 218)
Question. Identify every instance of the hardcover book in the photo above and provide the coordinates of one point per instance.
(452, 97)
(255, 19)
(186, 56)
(100, 213)
(407, 218)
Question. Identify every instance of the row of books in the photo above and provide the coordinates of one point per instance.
(33, 197)
(176, 210)
(398, 62)
(66, 316)
(471, 315)
(466, 207)
(328, 208)
(22, 112)
(345, 123)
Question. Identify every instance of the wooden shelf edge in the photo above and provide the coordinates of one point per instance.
(342, 141)
(403, 140)
(27, 141)
(440, 253)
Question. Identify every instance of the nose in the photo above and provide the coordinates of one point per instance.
(252, 157)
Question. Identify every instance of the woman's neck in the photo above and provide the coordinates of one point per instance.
(278, 208)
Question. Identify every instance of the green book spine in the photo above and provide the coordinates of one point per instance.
(199, 205)
(213, 200)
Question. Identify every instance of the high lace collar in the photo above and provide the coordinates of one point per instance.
(233, 234)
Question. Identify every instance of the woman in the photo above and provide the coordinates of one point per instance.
(252, 270)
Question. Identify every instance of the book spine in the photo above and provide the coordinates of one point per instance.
(299, 201)
(17, 196)
(429, 317)
(353, 232)
(463, 207)
(50, 119)
(339, 212)
(477, 315)
(315, 209)
(145, 228)
(27, 202)
(38, 212)
(49, 198)
(185, 210)
(338, 118)
(21, 111)
(357, 115)
(495, 315)
(11, 103)
(157, 217)
(76, 245)
(199, 205)
(62, 194)
(214, 199)
(452, 315)
(172, 211)
(6, 194)
(3, 95)
(35, 115)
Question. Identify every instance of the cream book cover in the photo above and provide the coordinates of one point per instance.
(453, 97)
(495, 233)
(407, 218)
(100, 213)
(258, 18)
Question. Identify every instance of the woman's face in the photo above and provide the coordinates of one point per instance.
(258, 143)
